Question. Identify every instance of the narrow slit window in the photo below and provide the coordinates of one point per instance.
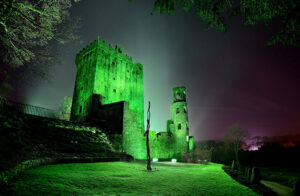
(177, 110)
(179, 126)
(80, 109)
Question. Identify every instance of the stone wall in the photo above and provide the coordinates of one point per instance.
(133, 135)
(106, 71)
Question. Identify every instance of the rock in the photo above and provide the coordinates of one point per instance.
(249, 173)
(296, 191)
(234, 165)
(255, 176)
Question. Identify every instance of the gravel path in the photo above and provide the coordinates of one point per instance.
(281, 190)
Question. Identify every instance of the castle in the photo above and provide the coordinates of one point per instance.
(109, 93)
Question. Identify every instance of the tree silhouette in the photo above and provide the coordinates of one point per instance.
(215, 12)
(235, 137)
(147, 139)
(27, 27)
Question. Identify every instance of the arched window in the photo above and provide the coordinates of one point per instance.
(177, 110)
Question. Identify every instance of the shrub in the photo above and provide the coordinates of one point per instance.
(198, 155)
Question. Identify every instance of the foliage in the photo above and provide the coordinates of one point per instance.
(235, 138)
(198, 155)
(27, 27)
(120, 178)
(64, 108)
(215, 12)
(219, 151)
(116, 141)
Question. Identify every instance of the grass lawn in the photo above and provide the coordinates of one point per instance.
(123, 178)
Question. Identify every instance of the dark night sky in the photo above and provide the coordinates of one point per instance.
(230, 78)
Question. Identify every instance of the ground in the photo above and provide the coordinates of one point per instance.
(123, 178)
(279, 189)
(285, 175)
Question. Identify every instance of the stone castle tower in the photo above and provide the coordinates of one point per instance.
(176, 140)
(106, 76)
(109, 93)
(178, 125)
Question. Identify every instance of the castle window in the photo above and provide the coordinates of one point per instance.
(80, 109)
(114, 90)
(177, 96)
(177, 110)
(114, 78)
(179, 126)
(81, 88)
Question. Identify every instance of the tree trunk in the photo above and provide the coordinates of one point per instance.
(147, 140)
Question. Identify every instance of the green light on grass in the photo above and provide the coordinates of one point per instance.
(155, 160)
(174, 160)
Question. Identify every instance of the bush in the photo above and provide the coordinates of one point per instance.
(198, 155)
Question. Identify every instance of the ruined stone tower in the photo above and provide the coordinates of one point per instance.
(176, 140)
(178, 126)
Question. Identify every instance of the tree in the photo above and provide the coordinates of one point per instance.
(147, 140)
(64, 109)
(215, 12)
(235, 137)
(27, 27)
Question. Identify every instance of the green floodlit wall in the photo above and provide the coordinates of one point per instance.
(133, 135)
(161, 145)
(191, 143)
(176, 140)
(106, 71)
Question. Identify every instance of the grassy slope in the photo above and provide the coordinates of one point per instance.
(121, 178)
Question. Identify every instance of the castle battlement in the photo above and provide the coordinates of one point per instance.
(100, 47)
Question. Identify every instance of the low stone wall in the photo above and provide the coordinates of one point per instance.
(6, 176)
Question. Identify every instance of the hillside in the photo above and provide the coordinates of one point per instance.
(25, 137)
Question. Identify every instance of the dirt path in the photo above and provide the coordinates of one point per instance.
(281, 190)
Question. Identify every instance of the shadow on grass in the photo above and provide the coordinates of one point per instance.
(240, 178)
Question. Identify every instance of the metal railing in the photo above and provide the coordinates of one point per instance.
(26, 108)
